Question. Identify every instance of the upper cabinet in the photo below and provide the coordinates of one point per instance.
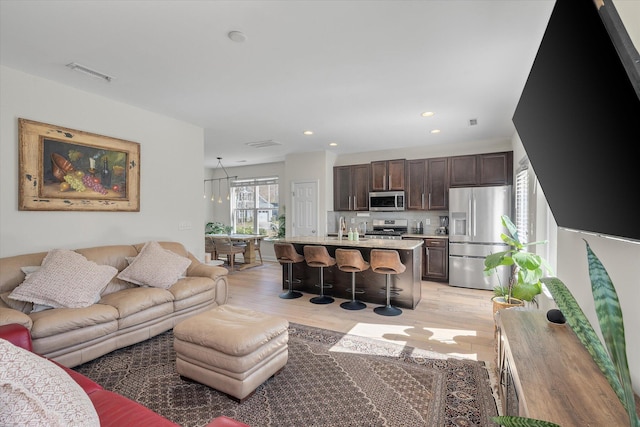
(481, 169)
(427, 184)
(351, 188)
(387, 175)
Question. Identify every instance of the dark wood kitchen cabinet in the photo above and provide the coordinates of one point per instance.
(481, 169)
(387, 175)
(351, 187)
(427, 184)
(435, 260)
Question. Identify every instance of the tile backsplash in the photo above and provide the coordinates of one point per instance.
(430, 219)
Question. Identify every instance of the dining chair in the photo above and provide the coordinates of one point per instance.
(224, 246)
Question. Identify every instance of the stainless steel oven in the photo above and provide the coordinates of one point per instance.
(386, 201)
(388, 229)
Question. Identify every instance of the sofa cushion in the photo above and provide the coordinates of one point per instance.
(38, 392)
(156, 267)
(66, 279)
(134, 300)
(190, 286)
(60, 320)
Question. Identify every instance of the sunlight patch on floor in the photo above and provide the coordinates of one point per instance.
(441, 340)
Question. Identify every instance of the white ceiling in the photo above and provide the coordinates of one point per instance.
(358, 73)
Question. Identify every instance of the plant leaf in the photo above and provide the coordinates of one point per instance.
(494, 260)
(511, 228)
(612, 326)
(527, 260)
(584, 331)
(509, 421)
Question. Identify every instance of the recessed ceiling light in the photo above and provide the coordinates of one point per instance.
(333, 144)
(427, 114)
(435, 131)
(308, 132)
(237, 36)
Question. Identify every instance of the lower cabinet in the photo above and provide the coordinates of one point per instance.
(435, 259)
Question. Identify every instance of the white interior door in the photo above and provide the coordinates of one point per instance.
(305, 208)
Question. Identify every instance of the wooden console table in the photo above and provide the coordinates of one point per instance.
(546, 373)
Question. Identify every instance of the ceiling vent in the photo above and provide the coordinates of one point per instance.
(263, 144)
(473, 122)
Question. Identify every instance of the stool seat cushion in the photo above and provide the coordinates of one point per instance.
(350, 260)
(231, 330)
(386, 262)
(286, 253)
(318, 256)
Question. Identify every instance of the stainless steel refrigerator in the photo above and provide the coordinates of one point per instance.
(474, 232)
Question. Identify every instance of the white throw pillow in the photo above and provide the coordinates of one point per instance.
(66, 279)
(36, 392)
(155, 266)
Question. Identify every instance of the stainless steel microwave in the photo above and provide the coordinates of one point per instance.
(386, 201)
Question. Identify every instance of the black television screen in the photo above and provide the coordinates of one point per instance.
(579, 120)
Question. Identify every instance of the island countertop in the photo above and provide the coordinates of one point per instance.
(403, 245)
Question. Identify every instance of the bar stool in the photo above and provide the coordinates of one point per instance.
(318, 256)
(387, 262)
(351, 261)
(286, 254)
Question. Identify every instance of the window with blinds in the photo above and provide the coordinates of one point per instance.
(522, 205)
(254, 205)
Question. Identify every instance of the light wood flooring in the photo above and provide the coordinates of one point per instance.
(448, 320)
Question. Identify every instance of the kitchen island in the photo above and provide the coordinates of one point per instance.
(373, 284)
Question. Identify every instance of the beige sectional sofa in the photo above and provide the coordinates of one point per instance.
(124, 313)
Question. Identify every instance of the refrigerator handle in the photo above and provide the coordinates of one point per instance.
(474, 216)
(470, 214)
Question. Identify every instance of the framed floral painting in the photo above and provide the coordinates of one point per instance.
(69, 170)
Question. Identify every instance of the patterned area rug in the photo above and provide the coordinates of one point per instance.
(331, 379)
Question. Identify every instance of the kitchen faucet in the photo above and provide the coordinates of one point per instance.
(341, 226)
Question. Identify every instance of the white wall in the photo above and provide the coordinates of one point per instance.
(567, 254)
(170, 163)
(425, 151)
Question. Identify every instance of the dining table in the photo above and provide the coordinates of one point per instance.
(252, 240)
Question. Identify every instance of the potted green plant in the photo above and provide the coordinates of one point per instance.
(527, 268)
(217, 228)
(611, 357)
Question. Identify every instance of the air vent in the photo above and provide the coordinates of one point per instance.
(473, 122)
(263, 144)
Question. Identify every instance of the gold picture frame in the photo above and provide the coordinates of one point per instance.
(64, 169)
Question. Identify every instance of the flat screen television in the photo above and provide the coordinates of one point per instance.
(579, 119)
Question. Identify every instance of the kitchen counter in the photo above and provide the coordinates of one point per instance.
(362, 243)
(373, 284)
(406, 236)
(424, 236)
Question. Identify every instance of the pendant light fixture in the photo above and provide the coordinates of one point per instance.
(226, 177)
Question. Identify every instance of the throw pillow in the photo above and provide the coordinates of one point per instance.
(66, 279)
(155, 266)
(36, 392)
(25, 307)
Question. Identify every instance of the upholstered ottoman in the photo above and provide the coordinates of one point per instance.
(231, 349)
